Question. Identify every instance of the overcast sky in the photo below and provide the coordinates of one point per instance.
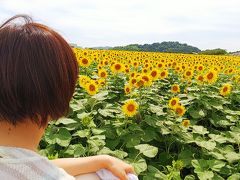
(205, 24)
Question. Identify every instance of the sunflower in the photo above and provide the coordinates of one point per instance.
(133, 74)
(132, 81)
(200, 79)
(83, 80)
(145, 70)
(188, 74)
(200, 68)
(186, 123)
(160, 65)
(101, 82)
(91, 88)
(226, 89)
(99, 67)
(135, 64)
(117, 68)
(175, 88)
(105, 62)
(163, 74)
(211, 76)
(154, 74)
(147, 80)
(127, 70)
(178, 69)
(140, 81)
(84, 61)
(130, 108)
(102, 73)
(85, 52)
(174, 102)
(127, 89)
(180, 110)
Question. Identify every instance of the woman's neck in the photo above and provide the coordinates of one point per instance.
(24, 135)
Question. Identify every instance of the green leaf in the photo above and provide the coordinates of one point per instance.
(63, 137)
(75, 150)
(216, 103)
(209, 145)
(224, 123)
(105, 112)
(218, 138)
(139, 166)
(97, 131)
(217, 177)
(120, 154)
(196, 112)
(235, 176)
(158, 110)
(232, 157)
(101, 96)
(147, 150)
(117, 153)
(205, 175)
(151, 120)
(65, 121)
(236, 136)
(200, 130)
(186, 156)
(149, 134)
(132, 140)
(95, 145)
(232, 118)
(216, 165)
(217, 155)
(189, 177)
(82, 133)
(154, 173)
(78, 105)
(96, 137)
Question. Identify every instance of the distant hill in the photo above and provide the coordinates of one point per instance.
(172, 47)
(102, 47)
(237, 53)
(217, 51)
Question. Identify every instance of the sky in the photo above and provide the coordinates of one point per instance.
(206, 24)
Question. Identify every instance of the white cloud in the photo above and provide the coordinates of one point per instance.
(117, 22)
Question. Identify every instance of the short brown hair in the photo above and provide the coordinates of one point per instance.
(38, 72)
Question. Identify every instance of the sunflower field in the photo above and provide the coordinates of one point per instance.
(172, 116)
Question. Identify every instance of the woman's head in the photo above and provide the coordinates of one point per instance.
(38, 72)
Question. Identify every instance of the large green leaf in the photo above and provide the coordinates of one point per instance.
(158, 110)
(186, 156)
(65, 121)
(232, 157)
(82, 133)
(75, 150)
(154, 173)
(218, 138)
(209, 145)
(235, 176)
(117, 153)
(139, 166)
(147, 150)
(197, 112)
(199, 130)
(63, 137)
(101, 96)
(131, 140)
(216, 165)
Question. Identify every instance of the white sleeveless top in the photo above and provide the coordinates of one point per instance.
(23, 164)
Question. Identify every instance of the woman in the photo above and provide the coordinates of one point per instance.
(38, 73)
